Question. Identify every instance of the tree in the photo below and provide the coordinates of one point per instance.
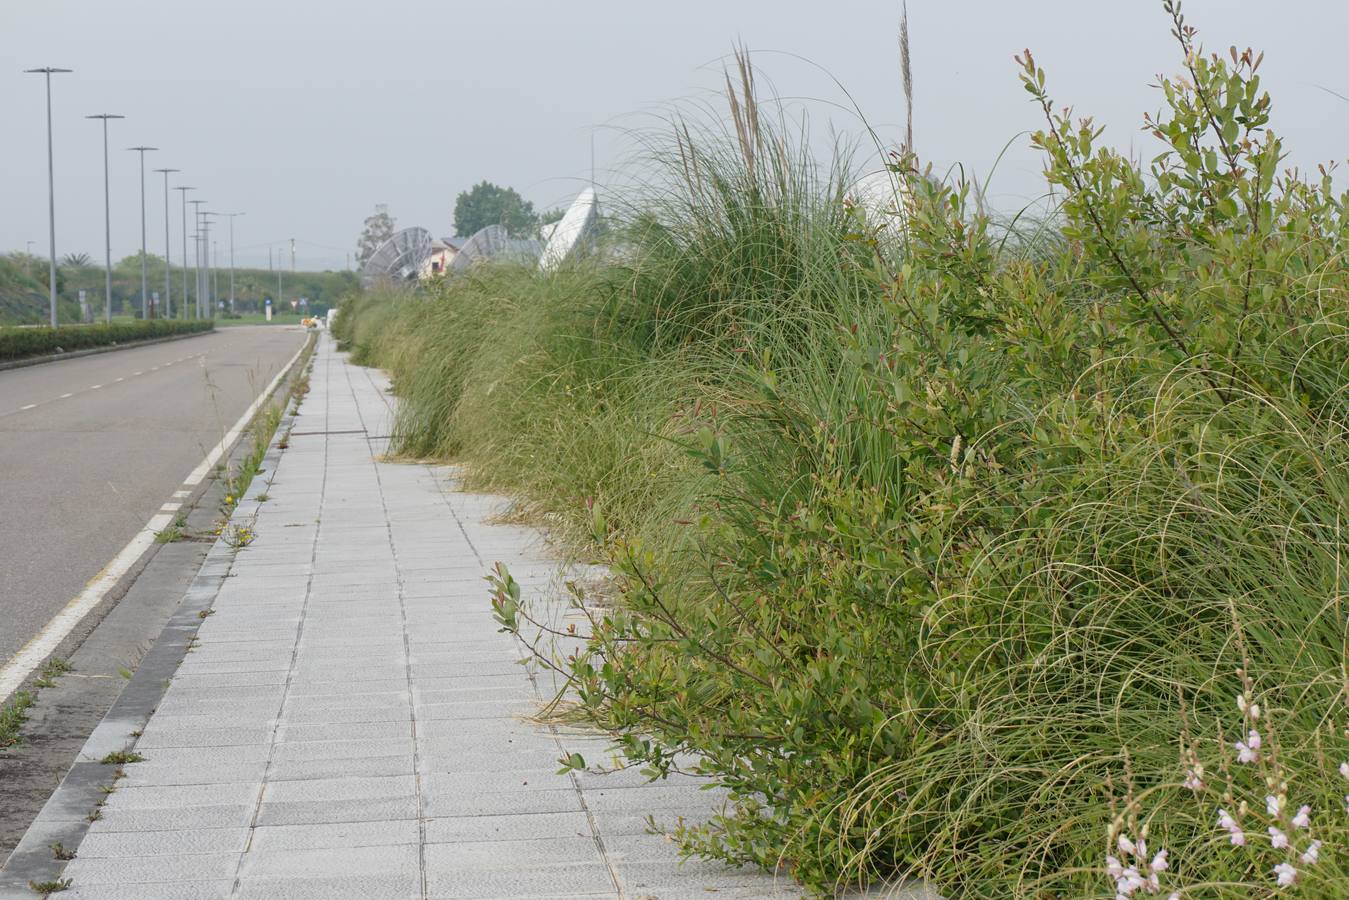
(76, 260)
(378, 229)
(489, 204)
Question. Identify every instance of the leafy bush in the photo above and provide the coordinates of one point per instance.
(20, 343)
(944, 550)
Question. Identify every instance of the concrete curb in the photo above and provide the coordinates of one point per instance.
(64, 819)
(94, 351)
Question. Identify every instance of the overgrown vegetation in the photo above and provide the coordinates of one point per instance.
(12, 716)
(21, 343)
(979, 553)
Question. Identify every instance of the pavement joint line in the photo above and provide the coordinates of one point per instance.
(45, 642)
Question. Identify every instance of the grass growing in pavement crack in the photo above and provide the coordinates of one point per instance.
(173, 533)
(60, 852)
(50, 887)
(53, 670)
(120, 757)
(12, 717)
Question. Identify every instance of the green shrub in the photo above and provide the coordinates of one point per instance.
(19, 343)
(945, 551)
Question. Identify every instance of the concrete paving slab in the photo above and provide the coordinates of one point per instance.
(351, 723)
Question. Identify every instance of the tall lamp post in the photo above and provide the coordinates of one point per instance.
(232, 216)
(206, 224)
(145, 278)
(168, 264)
(48, 71)
(107, 219)
(184, 189)
(196, 225)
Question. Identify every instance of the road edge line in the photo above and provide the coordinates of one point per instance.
(34, 653)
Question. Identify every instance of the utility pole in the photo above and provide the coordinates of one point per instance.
(196, 249)
(168, 250)
(107, 220)
(48, 71)
(184, 189)
(232, 216)
(145, 278)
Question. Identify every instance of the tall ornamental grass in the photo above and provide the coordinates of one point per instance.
(1013, 565)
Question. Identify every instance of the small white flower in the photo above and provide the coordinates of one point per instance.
(1248, 751)
(1273, 804)
(1126, 846)
(1286, 874)
(1303, 819)
(1312, 853)
(1141, 850)
(1130, 881)
(1238, 837)
(1346, 803)
(1277, 839)
(1113, 868)
(1174, 895)
(1225, 820)
(1194, 777)
(1248, 709)
(1159, 863)
(1344, 769)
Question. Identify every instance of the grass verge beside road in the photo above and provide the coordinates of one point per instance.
(23, 343)
(1006, 557)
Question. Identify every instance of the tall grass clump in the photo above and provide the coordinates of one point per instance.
(1004, 564)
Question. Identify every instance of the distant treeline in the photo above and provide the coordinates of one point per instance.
(23, 287)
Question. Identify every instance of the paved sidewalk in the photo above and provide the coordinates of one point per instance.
(350, 724)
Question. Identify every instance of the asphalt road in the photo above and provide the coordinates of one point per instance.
(90, 448)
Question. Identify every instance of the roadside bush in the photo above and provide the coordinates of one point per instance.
(947, 553)
(20, 343)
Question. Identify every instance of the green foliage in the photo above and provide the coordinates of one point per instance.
(19, 343)
(378, 228)
(942, 550)
(489, 204)
(12, 716)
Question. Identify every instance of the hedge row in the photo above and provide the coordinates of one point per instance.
(21, 343)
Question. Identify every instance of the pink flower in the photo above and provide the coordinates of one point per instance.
(1273, 804)
(1286, 874)
(1159, 863)
(1248, 751)
(1303, 818)
(1277, 839)
(1312, 853)
(1126, 846)
(1194, 779)
(1248, 709)
(1114, 868)
(1344, 769)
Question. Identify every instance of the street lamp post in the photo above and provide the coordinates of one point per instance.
(196, 252)
(206, 215)
(107, 220)
(145, 279)
(48, 71)
(184, 189)
(232, 216)
(168, 265)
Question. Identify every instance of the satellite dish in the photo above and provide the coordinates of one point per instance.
(575, 227)
(883, 198)
(486, 243)
(399, 258)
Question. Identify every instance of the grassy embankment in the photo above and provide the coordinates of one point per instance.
(947, 547)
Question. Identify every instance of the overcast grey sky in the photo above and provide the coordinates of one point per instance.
(306, 113)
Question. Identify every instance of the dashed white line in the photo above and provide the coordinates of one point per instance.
(120, 379)
(65, 396)
(29, 406)
(94, 387)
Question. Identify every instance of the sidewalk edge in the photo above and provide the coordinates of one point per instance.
(64, 818)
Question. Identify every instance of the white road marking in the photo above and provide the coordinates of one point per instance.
(94, 387)
(181, 494)
(29, 406)
(65, 396)
(170, 507)
(120, 379)
(134, 374)
(45, 642)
